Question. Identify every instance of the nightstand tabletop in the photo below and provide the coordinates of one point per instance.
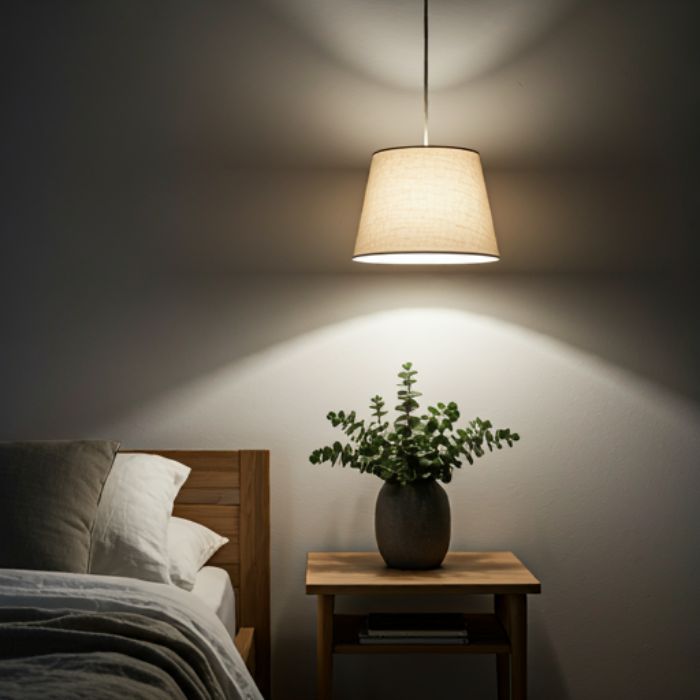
(332, 573)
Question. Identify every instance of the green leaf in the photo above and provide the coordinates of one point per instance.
(411, 447)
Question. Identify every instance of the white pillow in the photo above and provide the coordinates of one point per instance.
(190, 546)
(131, 528)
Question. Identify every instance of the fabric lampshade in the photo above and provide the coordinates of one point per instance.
(426, 204)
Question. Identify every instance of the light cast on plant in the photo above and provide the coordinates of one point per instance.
(413, 447)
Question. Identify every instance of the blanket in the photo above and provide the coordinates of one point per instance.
(105, 655)
(124, 639)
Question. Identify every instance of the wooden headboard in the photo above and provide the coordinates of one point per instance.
(229, 492)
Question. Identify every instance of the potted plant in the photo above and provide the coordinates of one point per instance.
(411, 455)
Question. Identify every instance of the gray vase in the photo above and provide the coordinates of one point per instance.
(412, 525)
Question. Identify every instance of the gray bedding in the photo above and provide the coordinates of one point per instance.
(49, 493)
(82, 654)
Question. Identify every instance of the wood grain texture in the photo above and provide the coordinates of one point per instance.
(229, 492)
(245, 643)
(502, 633)
(502, 660)
(222, 519)
(461, 572)
(211, 496)
(324, 646)
(254, 538)
(516, 606)
(503, 676)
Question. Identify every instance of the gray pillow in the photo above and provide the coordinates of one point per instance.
(49, 493)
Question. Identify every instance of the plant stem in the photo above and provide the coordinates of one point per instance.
(408, 406)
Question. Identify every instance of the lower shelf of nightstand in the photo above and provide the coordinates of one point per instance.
(486, 636)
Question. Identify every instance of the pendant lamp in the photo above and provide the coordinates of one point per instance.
(426, 204)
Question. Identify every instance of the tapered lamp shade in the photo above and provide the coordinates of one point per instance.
(426, 205)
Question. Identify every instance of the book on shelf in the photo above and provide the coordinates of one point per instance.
(364, 638)
(419, 625)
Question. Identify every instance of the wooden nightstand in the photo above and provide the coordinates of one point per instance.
(503, 632)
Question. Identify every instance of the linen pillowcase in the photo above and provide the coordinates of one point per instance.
(131, 529)
(49, 493)
(190, 546)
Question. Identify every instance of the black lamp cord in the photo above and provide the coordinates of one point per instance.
(425, 72)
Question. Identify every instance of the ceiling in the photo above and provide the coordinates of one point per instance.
(238, 133)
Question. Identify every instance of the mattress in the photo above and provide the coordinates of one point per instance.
(213, 587)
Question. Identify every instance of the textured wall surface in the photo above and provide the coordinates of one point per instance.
(599, 497)
(180, 186)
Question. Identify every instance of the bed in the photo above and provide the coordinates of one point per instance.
(214, 588)
(209, 643)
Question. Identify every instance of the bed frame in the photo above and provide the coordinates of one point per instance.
(229, 492)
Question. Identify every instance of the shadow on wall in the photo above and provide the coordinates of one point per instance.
(472, 39)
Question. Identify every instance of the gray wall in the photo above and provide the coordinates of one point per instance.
(599, 498)
(180, 189)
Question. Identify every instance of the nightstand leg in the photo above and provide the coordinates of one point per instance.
(517, 618)
(503, 676)
(502, 660)
(324, 646)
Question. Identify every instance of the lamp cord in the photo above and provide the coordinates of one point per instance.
(425, 72)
